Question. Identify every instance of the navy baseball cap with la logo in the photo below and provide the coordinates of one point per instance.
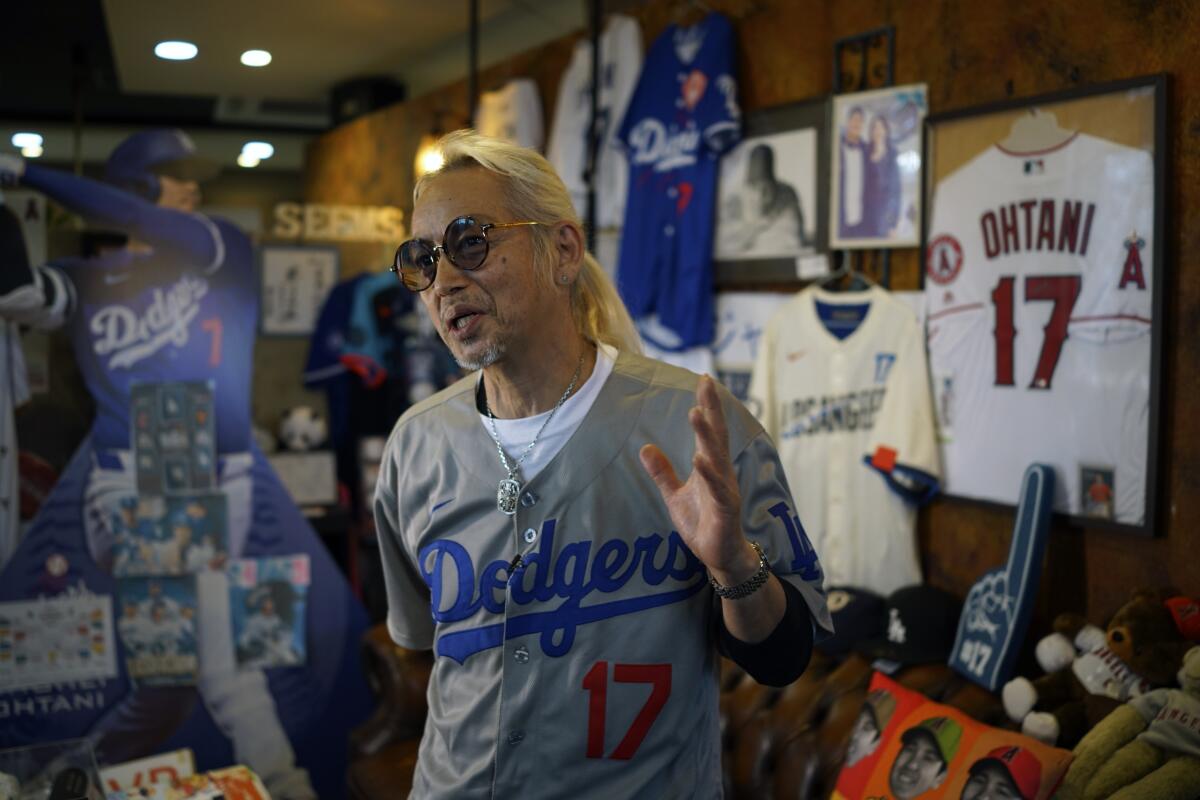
(858, 615)
(919, 627)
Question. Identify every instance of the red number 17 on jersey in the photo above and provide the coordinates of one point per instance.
(1063, 291)
(596, 684)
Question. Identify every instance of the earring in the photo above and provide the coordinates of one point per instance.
(562, 278)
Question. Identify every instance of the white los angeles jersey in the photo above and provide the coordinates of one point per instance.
(853, 420)
(513, 113)
(1039, 304)
(620, 65)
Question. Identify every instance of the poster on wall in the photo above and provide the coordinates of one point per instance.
(875, 180)
(1043, 293)
(174, 436)
(156, 619)
(56, 640)
(295, 282)
(770, 212)
(172, 535)
(267, 598)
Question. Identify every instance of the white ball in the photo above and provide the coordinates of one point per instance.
(302, 428)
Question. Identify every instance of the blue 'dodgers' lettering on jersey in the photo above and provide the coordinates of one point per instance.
(651, 143)
(126, 336)
(573, 575)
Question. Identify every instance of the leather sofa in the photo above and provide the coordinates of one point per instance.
(786, 743)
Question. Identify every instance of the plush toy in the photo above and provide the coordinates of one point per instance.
(1089, 672)
(302, 428)
(1147, 749)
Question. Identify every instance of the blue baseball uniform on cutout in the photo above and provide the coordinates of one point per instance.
(185, 311)
(682, 117)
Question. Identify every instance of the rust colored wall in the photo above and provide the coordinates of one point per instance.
(969, 54)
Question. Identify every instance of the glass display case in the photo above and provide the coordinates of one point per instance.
(64, 770)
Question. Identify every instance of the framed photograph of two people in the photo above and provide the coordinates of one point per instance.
(875, 180)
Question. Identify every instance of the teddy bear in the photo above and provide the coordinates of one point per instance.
(1147, 748)
(1090, 671)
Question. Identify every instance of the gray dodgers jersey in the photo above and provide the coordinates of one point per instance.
(591, 670)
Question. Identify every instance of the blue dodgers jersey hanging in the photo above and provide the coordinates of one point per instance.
(683, 115)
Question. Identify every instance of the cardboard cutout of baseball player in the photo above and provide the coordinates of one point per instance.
(178, 303)
(574, 588)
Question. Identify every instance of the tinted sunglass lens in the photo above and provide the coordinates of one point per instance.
(417, 265)
(467, 243)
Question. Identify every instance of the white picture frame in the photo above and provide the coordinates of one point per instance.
(875, 177)
(296, 279)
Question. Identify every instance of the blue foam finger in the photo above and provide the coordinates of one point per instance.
(996, 613)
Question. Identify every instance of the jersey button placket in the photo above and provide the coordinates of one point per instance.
(517, 675)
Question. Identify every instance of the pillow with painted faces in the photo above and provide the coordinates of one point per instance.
(904, 746)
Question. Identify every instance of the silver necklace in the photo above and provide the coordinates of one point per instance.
(509, 489)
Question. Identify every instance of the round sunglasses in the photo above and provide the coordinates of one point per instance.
(465, 243)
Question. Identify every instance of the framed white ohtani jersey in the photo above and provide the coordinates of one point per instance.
(1042, 294)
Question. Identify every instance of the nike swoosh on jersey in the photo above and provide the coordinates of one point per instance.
(442, 504)
(796, 355)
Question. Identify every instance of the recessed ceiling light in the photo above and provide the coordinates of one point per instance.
(26, 139)
(256, 58)
(32, 151)
(258, 150)
(176, 51)
(247, 160)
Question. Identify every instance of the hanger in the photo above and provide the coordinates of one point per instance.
(858, 281)
(686, 8)
(1034, 131)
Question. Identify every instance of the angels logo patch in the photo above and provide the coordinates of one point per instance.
(943, 259)
(1133, 272)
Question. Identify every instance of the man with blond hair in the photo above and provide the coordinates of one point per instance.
(575, 590)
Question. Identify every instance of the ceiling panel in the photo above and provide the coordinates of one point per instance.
(93, 60)
(314, 43)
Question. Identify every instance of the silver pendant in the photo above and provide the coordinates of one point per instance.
(507, 493)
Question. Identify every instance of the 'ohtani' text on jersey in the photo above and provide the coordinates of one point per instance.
(1063, 226)
(458, 593)
(852, 411)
